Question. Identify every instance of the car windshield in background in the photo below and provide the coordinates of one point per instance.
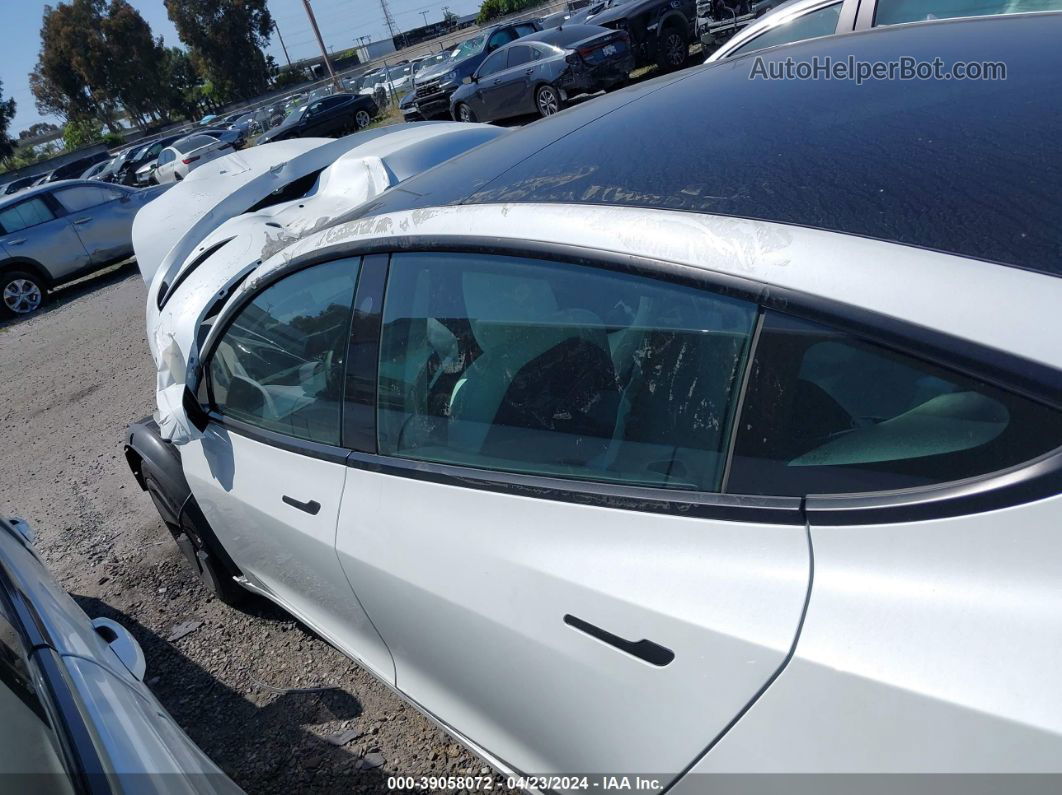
(432, 61)
(470, 47)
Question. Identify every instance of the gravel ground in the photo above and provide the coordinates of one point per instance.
(74, 376)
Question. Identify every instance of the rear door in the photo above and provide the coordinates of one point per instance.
(488, 98)
(932, 502)
(538, 535)
(518, 92)
(103, 218)
(34, 229)
(269, 470)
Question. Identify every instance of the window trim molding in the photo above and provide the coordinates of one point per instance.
(1023, 483)
(594, 493)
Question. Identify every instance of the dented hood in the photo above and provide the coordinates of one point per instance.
(198, 241)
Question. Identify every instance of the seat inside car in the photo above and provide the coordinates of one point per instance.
(541, 368)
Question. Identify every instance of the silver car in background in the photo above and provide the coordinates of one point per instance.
(60, 231)
(77, 716)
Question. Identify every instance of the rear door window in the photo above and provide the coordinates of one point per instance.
(25, 214)
(554, 369)
(501, 38)
(827, 412)
(519, 54)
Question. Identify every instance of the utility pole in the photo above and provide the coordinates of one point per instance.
(425, 15)
(285, 49)
(320, 42)
(388, 19)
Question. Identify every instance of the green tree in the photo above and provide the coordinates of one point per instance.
(7, 113)
(39, 128)
(96, 60)
(70, 77)
(134, 72)
(226, 38)
(493, 9)
(81, 132)
(181, 80)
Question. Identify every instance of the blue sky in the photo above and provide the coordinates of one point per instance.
(341, 22)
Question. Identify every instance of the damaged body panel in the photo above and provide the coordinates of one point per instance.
(207, 214)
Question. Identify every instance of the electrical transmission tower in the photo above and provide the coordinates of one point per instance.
(388, 19)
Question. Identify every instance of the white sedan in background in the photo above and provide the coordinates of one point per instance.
(176, 161)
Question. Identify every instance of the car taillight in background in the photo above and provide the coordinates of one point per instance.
(188, 160)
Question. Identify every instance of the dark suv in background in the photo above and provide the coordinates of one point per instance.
(661, 31)
(436, 83)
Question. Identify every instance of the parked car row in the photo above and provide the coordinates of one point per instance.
(615, 445)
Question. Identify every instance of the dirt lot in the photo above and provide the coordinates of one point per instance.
(73, 377)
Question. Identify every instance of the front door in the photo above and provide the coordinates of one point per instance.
(103, 221)
(269, 471)
(164, 167)
(539, 538)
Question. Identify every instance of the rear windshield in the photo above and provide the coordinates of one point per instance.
(194, 142)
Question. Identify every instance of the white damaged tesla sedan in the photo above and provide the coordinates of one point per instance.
(650, 438)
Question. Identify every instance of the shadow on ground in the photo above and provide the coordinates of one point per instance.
(233, 730)
(84, 286)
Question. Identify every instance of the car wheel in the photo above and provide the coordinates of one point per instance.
(547, 100)
(21, 293)
(673, 50)
(362, 119)
(465, 113)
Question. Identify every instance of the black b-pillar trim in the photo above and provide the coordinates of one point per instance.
(363, 356)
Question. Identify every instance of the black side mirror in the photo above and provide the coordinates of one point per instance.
(194, 409)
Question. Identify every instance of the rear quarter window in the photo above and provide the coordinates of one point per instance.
(827, 412)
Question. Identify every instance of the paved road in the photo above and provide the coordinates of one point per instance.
(73, 377)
